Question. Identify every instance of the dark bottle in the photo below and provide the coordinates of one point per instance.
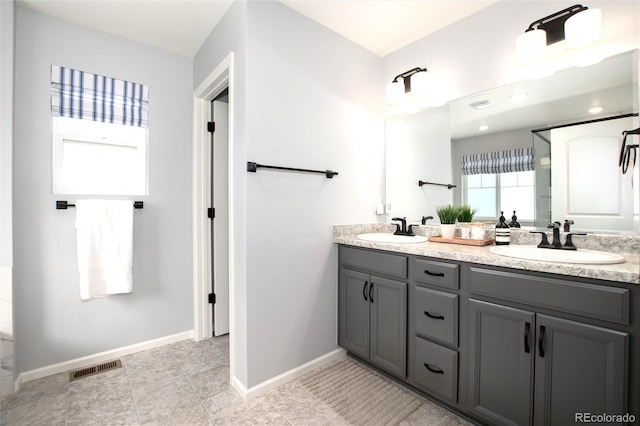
(514, 221)
(503, 233)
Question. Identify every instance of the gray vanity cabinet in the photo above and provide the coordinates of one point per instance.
(579, 368)
(501, 363)
(354, 312)
(373, 310)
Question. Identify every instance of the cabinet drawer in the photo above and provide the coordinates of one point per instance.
(436, 273)
(376, 262)
(436, 369)
(588, 300)
(436, 315)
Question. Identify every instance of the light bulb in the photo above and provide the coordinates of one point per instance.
(395, 92)
(531, 46)
(583, 28)
(420, 83)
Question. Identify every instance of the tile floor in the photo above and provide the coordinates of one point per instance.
(185, 383)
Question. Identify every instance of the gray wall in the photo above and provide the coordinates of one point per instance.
(52, 324)
(305, 97)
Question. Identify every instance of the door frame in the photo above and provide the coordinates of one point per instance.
(219, 79)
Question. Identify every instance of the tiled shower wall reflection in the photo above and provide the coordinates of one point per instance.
(6, 332)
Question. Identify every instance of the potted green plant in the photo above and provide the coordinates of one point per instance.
(464, 219)
(448, 215)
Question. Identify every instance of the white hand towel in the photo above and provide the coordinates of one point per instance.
(104, 231)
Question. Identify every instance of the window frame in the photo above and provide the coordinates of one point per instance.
(497, 188)
(92, 132)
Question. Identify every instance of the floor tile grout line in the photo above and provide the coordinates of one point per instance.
(133, 398)
(66, 413)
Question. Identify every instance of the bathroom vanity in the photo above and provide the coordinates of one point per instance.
(500, 340)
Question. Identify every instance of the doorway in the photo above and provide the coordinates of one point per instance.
(220, 213)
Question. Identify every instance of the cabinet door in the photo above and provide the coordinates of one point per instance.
(389, 325)
(580, 368)
(501, 365)
(353, 309)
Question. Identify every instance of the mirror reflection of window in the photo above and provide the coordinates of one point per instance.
(493, 193)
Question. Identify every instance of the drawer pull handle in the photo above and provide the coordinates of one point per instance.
(433, 370)
(430, 315)
(364, 290)
(541, 342)
(434, 274)
(371, 292)
(527, 329)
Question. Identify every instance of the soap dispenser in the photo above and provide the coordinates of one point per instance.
(514, 221)
(503, 233)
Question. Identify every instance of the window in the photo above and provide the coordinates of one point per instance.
(492, 193)
(500, 181)
(99, 134)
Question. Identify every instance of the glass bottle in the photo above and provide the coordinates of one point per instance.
(503, 233)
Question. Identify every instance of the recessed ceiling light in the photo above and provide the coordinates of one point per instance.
(483, 128)
(485, 103)
(519, 97)
(595, 110)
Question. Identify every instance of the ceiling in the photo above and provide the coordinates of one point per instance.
(181, 26)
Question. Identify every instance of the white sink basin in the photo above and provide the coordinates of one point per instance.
(390, 238)
(557, 255)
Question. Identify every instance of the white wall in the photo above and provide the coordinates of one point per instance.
(478, 53)
(230, 36)
(314, 100)
(416, 150)
(7, 17)
(7, 11)
(52, 324)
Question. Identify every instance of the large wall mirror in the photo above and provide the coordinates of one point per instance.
(561, 135)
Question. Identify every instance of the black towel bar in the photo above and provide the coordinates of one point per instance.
(448, 185)
(253, 167)
(63, 205)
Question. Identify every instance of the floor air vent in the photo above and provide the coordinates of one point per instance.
(94, 369)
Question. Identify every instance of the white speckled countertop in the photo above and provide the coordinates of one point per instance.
(627, 246)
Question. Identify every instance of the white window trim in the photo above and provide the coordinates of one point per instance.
(465, 191)
(58, 140)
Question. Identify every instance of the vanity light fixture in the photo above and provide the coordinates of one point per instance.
(483, 127)
(578, 25)
(396, 90)
(595, 110)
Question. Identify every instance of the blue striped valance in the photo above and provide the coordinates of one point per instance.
(515, 160)
(79, 94)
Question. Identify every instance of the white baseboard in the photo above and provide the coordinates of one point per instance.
(285, 377)
(89, 360)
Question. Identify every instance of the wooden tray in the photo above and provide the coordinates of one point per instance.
(457, 240)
